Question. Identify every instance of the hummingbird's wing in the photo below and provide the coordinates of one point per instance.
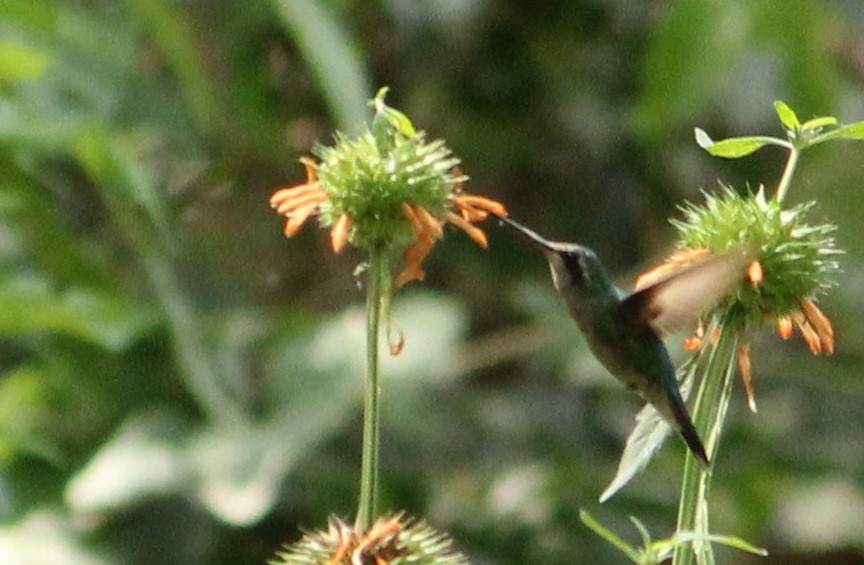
(676, 301)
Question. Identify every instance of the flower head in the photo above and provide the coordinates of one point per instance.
(791, 260)
(389, 187)
(792, 264)
(391, 540)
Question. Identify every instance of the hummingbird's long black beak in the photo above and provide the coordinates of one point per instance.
(540, 242)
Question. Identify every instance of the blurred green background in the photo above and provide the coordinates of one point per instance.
(181, 384)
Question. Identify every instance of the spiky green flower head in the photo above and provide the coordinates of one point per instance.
(393, 540)
(368, 178)
(795, 260)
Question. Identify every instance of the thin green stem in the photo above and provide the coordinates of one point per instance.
(709, 415)
(376, 275)
(788, 171)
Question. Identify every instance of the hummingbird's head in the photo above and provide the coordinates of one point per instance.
(572, 265)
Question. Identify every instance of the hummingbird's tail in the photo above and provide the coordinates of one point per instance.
(685, 426)
(691, 438)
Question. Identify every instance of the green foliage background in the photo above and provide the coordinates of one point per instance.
(180, 384)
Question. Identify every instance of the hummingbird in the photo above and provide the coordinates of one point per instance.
(625, 331)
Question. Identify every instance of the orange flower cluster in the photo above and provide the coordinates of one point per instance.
(814, 326)
(377, 546)
(298, 203)
(428, 228)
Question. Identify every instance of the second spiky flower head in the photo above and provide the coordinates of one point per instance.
(388, 188)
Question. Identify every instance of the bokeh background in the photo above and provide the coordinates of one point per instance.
(181, 384)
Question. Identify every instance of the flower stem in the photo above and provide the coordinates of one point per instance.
(788, 171)
(709, 415)
(376, 275)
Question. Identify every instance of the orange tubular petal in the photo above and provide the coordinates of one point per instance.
(431, 224)
(475, 233)
(784, 327)
(754, 273)
(482, 203)
(473, 214)
(292, 192)
(286, 205)
(410, 273)
(397, 344)
(747, 375)
(820, 323)
(342, 552)
(339, 233)
(417, 225)
(309, 163)
(298, 218)
(376, 535)
(692, 343)
(809, 334)
(412, 218)
(413, 257)
(415, 254)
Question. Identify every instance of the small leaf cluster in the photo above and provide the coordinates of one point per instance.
(370, 177)
(798, 135)
(797, 259)
(415, 543)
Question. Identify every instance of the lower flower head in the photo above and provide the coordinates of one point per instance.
(390, 540)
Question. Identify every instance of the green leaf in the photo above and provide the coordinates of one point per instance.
(787, 115)
(387, 116)
(29, 14)
(30, 306)
(819, 123)
(735, 147)
(632, 553)
(730, 541)
(332, 57)
(648, 436)
(19, 62)
(851, 131)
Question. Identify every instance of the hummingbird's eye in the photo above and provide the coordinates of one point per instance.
(576, 267)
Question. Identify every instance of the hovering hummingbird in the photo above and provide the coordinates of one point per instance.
(624, 331)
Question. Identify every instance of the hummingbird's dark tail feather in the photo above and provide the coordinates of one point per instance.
(691, 438)
(687, 430)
